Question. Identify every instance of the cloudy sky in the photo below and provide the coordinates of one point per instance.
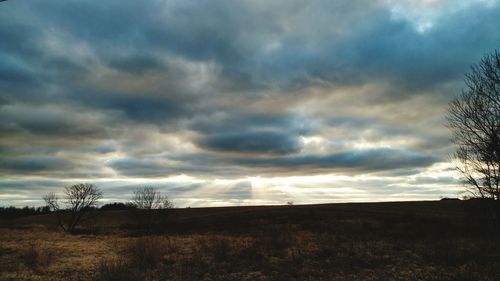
(235, 102)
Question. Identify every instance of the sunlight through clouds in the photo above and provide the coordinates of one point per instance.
(235, 102)
(424, 14)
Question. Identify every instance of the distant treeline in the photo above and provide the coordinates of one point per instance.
(12, 212)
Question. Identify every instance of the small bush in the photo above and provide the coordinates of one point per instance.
(38, 256)
(218, 247)
(148, 252)
(142, 260)
(119, 270)
(277, 240)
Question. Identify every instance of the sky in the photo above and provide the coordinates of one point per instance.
(235, 102)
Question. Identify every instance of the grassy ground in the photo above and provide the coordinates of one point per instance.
(378, 241)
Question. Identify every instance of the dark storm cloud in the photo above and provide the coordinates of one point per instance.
(141, 108)
(135, 167)
(12, 71)
(252, 133)
(252, 142)
(155, 168)
(109, 23)
(237, 121)
(39, 125)
(121, 34)
(382, 48)
(136, 64)
(90, 25)
(26, 185)
(359, 160)
(230, 32)
(35, 164)
(396, 50)
(235, 36)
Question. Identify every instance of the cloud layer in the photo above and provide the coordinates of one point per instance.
(228, 102)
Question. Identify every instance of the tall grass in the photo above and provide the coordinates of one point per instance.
(142, 257)
(38, 256)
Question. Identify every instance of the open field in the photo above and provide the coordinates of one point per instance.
(446, 240)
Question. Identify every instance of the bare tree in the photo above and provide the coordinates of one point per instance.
(474, 117)
(148, 198)
(79, 198)
(52, 201)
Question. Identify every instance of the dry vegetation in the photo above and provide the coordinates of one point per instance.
(385, 241)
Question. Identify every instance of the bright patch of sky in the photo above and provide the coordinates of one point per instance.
(424, 14)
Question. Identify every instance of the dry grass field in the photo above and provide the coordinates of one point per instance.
(446, 240)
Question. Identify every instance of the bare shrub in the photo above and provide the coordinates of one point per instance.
(218, 247)
(193, 265)
(141, 260)
(249, 249)
(38, 256)
(277, 239)
(148, 252)
(115, 270)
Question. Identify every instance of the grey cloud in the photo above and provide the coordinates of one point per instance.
(357, 161)
(231, 121)
(13, 31)
(394, 49)
(140, 107)
(91, 20)
(12, 71)
(232, 33)
(55, 120)
(61, 167)
(134, 167)
(156, 168)
(97, 149)
(35, 164)
(252, 142)
(27, 184)
(138, 64)
(240, 132)
(209, 165)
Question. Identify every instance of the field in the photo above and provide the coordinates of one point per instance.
(435, 240)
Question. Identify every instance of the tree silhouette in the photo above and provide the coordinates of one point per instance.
(79, 198)
(147, 199)
(474, 117)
